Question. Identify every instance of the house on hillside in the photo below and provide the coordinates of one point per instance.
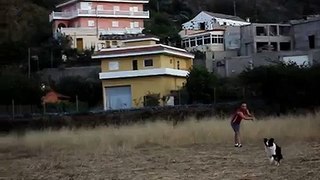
(297, 41)
(140, 69)
(86, 21)
(215, 35)
(208, 21)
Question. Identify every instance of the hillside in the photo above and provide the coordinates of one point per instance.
(24, 23)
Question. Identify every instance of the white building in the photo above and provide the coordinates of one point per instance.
(209, 21)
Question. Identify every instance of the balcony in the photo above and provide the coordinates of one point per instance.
(94, 31)
(98, 13)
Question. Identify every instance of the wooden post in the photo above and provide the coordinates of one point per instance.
(77, 103)
(214, 96)
(44, 108)
(29, 63)
(243, 93)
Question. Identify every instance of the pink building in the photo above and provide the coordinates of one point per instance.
(86, 20)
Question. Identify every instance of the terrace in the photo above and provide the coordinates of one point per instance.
(98, 13)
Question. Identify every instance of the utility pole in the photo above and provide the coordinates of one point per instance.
(29, 63)
(13, 113)
(51, 58)
(214, 96)
(77, 103)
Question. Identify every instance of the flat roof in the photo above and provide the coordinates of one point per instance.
(121, 1)
(140, 51)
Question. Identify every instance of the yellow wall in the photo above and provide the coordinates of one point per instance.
(144, 85)
(168, 61)
(159, 61)
(140, 43)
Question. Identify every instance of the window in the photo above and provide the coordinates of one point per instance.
(207, 39)
(134, 9)
(193, 42)
(261, 31)
(100, 7)
(85, 5)
(285, 46)
(274, 46)
(113, 65)
(135, 65)
(148, 63)
(90, 23)
(262, 46)
(115, 23)
(273, 31)
(116, 8)
(135, 24)
(178, 64)
(214, 39)
(199, 41)
(220, 39)
(202, 26)
(114, 43)
(311, 42)
(186, 43)
(284, 30)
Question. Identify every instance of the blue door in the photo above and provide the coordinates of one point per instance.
(118, 97)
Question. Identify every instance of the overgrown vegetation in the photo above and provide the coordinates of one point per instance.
(286, 85)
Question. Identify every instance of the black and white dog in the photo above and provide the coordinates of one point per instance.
(273, 151)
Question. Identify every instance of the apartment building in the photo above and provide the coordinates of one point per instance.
(86, 21)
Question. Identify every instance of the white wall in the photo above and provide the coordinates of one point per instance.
(210, 22)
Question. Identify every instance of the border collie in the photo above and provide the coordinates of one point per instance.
(273, 151)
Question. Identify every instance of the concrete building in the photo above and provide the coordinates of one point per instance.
(257, 38)
(216, 36)
(85, 21)
(139, 68)
(306, 33)
(212, 32)
(265, 44)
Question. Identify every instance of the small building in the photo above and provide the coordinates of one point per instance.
(53, 97)
(85, 21)
(141, 68)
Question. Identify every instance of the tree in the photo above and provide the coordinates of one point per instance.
(15, 85)
(200, 85)
(287, 85)
(88, 89)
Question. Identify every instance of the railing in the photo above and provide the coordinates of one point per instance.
(94, 31)
(98, 13)
(109, 31)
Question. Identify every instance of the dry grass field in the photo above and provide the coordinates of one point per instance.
(192, 150)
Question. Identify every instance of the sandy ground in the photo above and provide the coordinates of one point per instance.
(151, 161)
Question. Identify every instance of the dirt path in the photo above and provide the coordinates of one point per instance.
(200, 161)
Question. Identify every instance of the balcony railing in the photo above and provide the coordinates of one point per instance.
(98, 13)
(96, 32)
